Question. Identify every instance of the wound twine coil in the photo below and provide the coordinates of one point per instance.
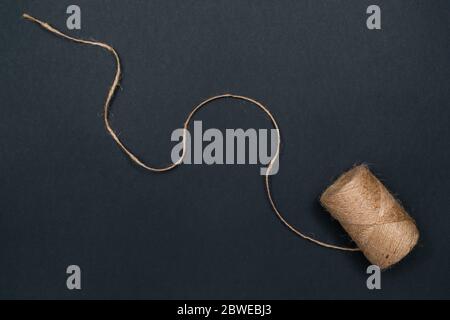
(372, 217)
(391, 241)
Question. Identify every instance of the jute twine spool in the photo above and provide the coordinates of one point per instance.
(368, 212)
(373, 218)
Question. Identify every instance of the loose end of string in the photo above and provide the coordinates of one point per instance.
(140, 163)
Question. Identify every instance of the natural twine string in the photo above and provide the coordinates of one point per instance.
(374, 219)
(135, 159)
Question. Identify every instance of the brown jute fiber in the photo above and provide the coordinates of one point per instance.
(361, 237)
(373, 218)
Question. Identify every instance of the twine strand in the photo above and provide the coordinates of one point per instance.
(136, 160)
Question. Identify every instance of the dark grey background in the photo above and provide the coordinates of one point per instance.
(342, 95)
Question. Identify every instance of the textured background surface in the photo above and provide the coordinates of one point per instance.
(342, 94)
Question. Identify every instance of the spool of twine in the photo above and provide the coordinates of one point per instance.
(373, 218)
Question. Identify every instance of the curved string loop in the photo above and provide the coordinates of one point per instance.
(135, 159)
